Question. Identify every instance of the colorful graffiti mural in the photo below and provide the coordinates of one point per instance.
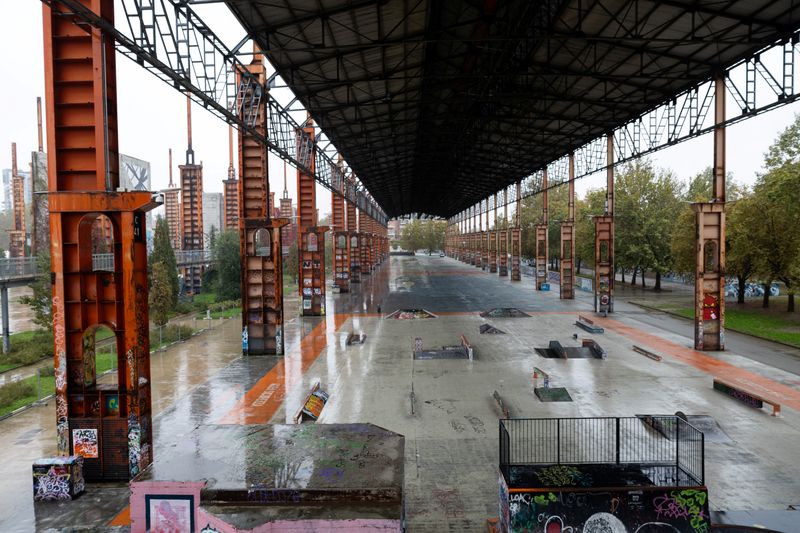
(58, 478)
(644, 510)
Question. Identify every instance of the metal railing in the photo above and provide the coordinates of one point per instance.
(18, 267)
(650, 440)
(193, 257)
(103, 262)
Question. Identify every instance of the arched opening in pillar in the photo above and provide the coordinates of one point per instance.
(102, 239)
(263, 243)
(97, 341)
(312, 243)
(710, 256)
(341, 242)
(604, 251)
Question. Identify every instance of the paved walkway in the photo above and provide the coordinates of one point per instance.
(451, 439)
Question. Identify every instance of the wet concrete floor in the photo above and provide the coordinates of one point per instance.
(451, 438)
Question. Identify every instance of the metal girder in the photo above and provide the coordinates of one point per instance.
(172, 42)
(758, 84)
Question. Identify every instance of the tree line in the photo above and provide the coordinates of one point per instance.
(655, 224)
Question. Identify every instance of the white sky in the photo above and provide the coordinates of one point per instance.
(152, 115)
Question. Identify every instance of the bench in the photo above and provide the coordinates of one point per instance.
(466, 345)
(750, 398)
(595, 348)
(646, 353)
(587, 324)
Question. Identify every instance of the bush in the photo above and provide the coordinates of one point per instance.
(224, 306)
(29, 347)
(47, 371)
(169, 334)
(17, 390)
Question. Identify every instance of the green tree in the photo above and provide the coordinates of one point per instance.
(741, 256)
(413, 238)
(163, 254)
(229, 265)
(776, 195)
(160, 298)
(41, 301)
(586, 209)
(290, 266)
(212, 237)
(433, 235)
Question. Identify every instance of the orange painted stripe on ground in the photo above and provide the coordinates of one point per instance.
(263, 400)
(123, 518)
(748, 381)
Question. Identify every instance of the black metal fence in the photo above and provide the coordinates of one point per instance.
(648, 440)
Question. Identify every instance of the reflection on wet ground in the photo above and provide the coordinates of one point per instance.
(451, 438)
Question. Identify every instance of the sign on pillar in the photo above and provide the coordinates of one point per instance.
(709, 297)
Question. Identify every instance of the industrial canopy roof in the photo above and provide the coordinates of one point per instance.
(437, 104)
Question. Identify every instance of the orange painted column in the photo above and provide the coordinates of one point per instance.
(567, 264)
(352, 232)
(604, 243)
(259, 233)
(709, 292)
(109, 425)
(542, 240)
(310, 236)
(341, 238)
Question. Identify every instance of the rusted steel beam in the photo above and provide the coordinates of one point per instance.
(310, 239)
(709, 293)
(259, 233)
(604, 243)
(567, 266)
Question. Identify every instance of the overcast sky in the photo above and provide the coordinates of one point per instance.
(152, 116)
